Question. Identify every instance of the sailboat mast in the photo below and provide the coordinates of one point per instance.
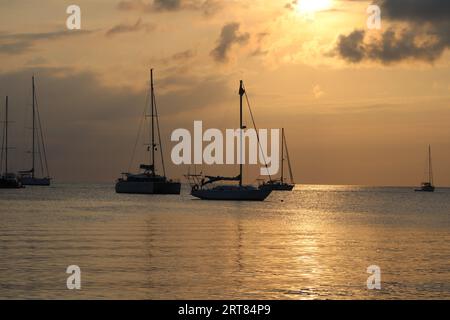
(241, 94)
(153, 122)
(6, 137)
(282, 155)
(33, 128)
(430, 170)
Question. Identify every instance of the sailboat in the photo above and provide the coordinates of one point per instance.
(7, 180)
(428, 185)
(29, 177)
(281, 185)
(148, 181)
(240, 192)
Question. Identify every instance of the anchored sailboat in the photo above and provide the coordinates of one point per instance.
(30, 177)
(200, 186)
(7, 180)
(147, 181)
(281, 184)
(428, 185)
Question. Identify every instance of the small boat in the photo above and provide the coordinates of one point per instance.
(7, 180)
(428, 185)
(29, 177)
(281, 184)
(240, 192)
(148, 181)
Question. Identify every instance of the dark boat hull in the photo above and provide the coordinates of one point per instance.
(10, 184)
(427, 189)
(231, 195)
(28, 181)
(277, 187)
(148, 187)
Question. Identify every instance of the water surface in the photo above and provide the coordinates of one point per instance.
(313, 243)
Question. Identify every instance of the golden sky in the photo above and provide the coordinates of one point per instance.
(359, 106)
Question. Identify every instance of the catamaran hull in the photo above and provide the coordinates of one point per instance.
(134, 187)
(45, 182)
(230, 195)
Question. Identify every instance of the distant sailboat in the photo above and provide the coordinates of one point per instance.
(147, 181)
(7, 180)
(428, 186)
(281, 184)
(228, 192)
(29, 177)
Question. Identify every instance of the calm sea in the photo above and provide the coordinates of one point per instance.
(313, 243)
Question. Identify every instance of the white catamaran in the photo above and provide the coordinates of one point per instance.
(31, 177)
(201, 185)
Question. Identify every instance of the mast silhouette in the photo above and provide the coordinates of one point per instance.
(241, 94)
(430, 168)
(152, 90)
(6, 137)
(33, 152)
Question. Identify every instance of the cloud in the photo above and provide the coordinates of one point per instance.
(128, 28)
(208, 7)
(229, 36)
(419, 30)
(17, 43)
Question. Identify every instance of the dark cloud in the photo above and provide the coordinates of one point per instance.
(16, 43)
(419, 30)
(128, 28)
(229, 36)
(416, 10)
(208, 7)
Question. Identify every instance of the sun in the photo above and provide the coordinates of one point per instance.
(312, 6)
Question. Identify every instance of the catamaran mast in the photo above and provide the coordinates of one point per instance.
(241, 94)
(153, 123)
(33, 129)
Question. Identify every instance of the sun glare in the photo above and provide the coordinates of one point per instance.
(312, 6)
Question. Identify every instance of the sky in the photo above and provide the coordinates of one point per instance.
(359, 105)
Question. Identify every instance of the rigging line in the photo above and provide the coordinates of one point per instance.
(159, 136)
(138, 133)
(257, 134)
(42, 139)
(288, 159)
(3, 146)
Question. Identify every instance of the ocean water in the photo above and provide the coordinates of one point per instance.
(313, 243)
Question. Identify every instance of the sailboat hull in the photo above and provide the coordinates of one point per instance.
(425, 189)
(148, 187)
(277, 186)
(10, 184)
(28, 181)
(231, 195)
